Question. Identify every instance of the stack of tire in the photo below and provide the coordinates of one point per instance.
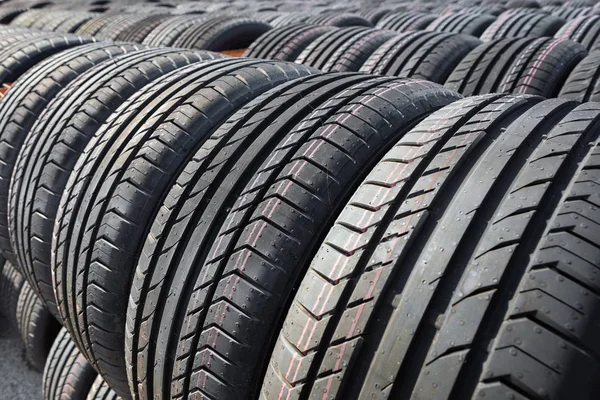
(326, 217)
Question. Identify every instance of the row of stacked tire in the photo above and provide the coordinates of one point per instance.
(304, 221)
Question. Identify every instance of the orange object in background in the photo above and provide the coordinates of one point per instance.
(4, 89)
(233, 53)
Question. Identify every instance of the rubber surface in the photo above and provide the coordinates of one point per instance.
(424, 55)
(442, 279)
(20, 110)
(11, 281)
(583, 84)
(184, 106)
(207, 187)
(269, 236)
(522, 25)
(37, 327)
(101, 391)
(285, 43)
(67, 374)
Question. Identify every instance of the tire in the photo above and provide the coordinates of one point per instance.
(320, 50)
(16, 115)
(165, 34)
(569, 13)
(494, 10)
(276, 231)
(290, 19)
(11, 282)
(101, 391)
(584, 30)
(339, 19)
(117, 25)
(54, 143)
(23, 104)
(95, 25)
(484, 68)
(67, 374)
(423, 55)
(523, 4)
(7, 15)
(350, 273)
(137, 33)
(75, 22)
(285, 43)
(151, 111)
(509, 25)
(374, 15)
(37, 327)
(245, 144)
(355, 52)
(406, 22)
(543, 67)
(490, 320)
(222, 34)
(53, 20)
(583, 84)
(19, 57)
(28, 18)
(468, 24)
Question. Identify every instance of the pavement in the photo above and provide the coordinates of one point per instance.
(17, 380)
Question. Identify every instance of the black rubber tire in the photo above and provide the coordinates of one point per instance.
(27, 18)
(16, 117)
(522, 4)
(422, 55)
(22, 105)
(222, 34)
(55, 19)
(38, 328)
(354, 52)
(320, 50)
(489, 9)
(48, 17)
(484, 68)
(245, 141)
(374, 15)
(118, 24)
(67, 374)
(465, 23)
(165, 34)
(137, 32)
(95, 25)
(73, 23)
(517, 25)
(285, 43)
(406, 22)
(290, 19)
(469, 278)
(339, 19)
(276, 225)
(19, 57)
(543, 67)
(350, 273)
(584, 30)
(101, 391)
(9, 14)
(11, 282)
(184, 106)
(53, 145)
(583, 84)
(571, 13)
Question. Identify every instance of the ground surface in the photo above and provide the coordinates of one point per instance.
(17, 380)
